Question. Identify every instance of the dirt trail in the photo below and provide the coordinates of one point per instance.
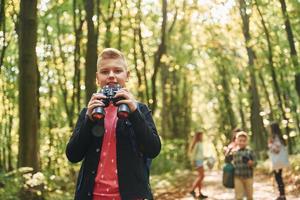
(264, 188)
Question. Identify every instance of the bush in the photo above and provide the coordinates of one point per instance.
(11, 183)
(24, 184)
(172, 157)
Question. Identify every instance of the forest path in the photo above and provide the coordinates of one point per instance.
(264, 188)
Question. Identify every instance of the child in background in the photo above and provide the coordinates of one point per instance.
(244, 161)
(278, 155)
(197, 156)
(228, 169)
(231, 147)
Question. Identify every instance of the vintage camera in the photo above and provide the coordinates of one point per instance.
(246, 159)
(110, 91)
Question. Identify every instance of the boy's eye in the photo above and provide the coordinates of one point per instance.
(118, 71)
(115, 71)
(104, 72)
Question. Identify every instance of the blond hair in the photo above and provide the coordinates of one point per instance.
(196, 138)
(242, 134)
(111, 53)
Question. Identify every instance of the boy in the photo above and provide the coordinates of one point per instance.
(113, 150)
(244, 161)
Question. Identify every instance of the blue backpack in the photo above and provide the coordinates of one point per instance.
(228, 175)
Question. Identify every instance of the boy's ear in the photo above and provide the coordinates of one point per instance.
(128, 75)
(97, 82)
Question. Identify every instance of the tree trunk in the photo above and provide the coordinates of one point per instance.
(91, 51)
(9, 141)
(226, 96)
(138, 73)
(257, 127)
(6, 125)
(143, 53)
(267, 95)
(241, 107)
(120, 27)
(62, 75)
(187, 107)
(28, 87)
(3, 128)
(2, 13)
(77, 26)
(173, 111)
(286, 98)
(108, 21)
(174, 96)
(165, 100)
(291, 40)
(3, 29)
(158, 54)
(272, 69)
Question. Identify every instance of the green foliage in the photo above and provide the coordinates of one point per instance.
(9, 187)
(15, 184)
(297, 147)
(295, 163)
(172, 157)
(203, 79)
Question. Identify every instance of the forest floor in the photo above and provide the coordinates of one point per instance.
(179, 184)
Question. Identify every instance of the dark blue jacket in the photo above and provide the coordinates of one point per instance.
(85, 144)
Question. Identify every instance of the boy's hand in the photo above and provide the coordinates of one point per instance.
(250, 163)
(95, 101)
(128, 99)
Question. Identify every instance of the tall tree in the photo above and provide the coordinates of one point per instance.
(120, 26)
(222, 84)
(158, 54)
(136, 68)
(240, 102)
(257, 127)
(108, 21)
(62, 80)
(291, 40)
(272, 69)
(142, 50)
(91, 50)
(169, 92)
(6, 129)
(226, 94)
(4, 44)
(28, 86)
(78, 21)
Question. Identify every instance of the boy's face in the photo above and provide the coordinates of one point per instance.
(112, 71)
(201, 137)
(241, 141)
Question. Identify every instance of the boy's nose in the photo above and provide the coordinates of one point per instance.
(111, 74)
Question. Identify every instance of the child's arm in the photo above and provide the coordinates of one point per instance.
(80, 139)
(145, 131)
(252, 161)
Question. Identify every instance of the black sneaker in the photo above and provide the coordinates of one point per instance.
(281, 198)
(193, 194)
(202, 196)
